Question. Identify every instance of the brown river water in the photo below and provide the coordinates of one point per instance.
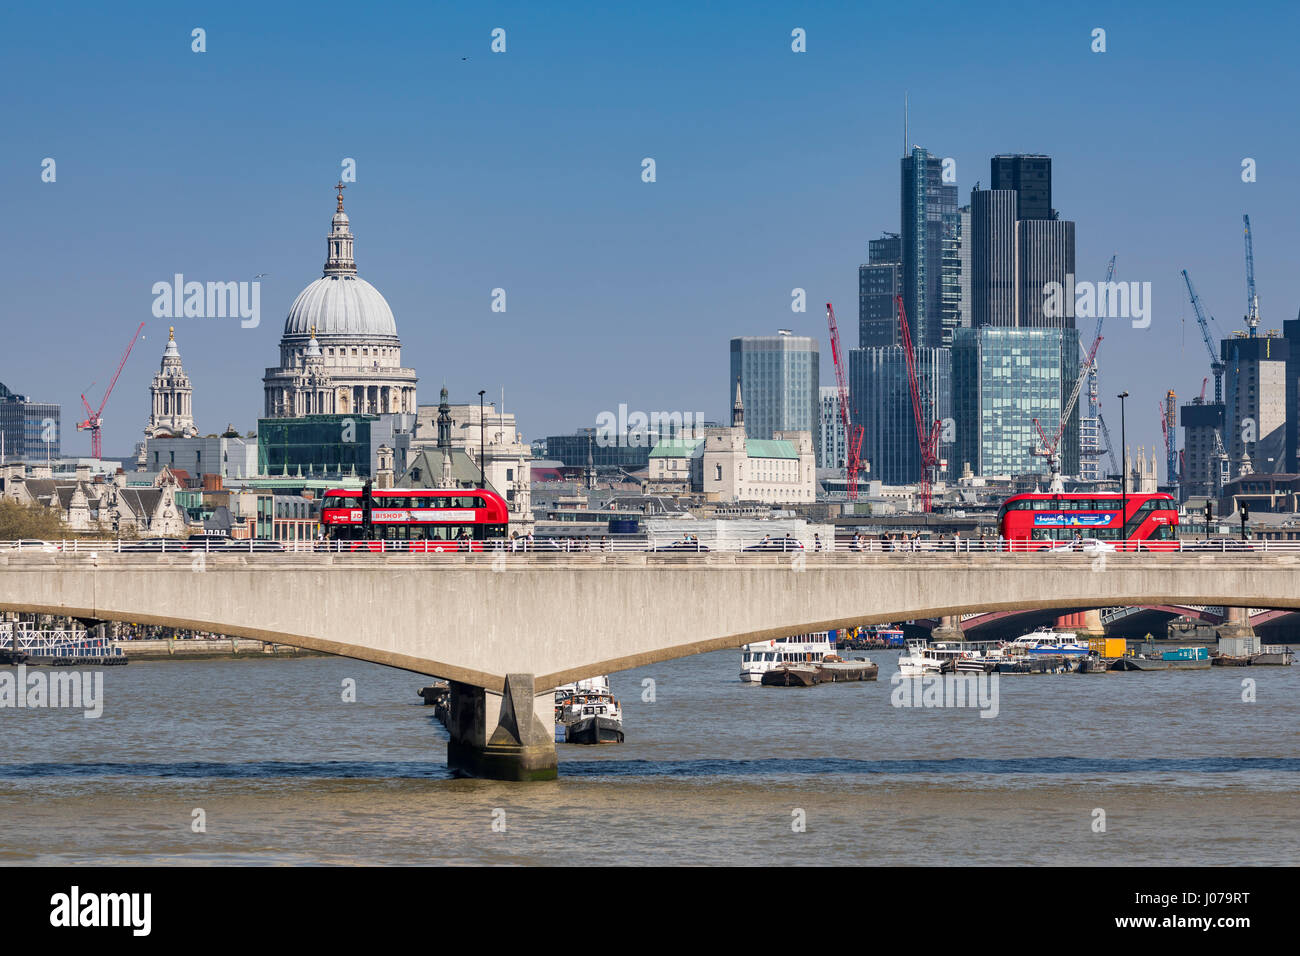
(284, 771)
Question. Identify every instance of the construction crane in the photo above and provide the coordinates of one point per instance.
(1217, 365)
(927, 439)
(852, 433)
(1048, 450)
(1252, 301)
(1092, 450)
(1169, 428)
(95, 419)
(1110, 445)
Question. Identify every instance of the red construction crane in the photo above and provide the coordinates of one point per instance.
(852, 433)
(95, 419)
(1048, 450)
(928, 441)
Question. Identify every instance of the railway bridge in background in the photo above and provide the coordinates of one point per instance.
(505, 629)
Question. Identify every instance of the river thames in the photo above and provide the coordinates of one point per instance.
(280, 769)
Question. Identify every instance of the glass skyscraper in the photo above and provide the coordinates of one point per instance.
(1045, 253)
(834, 451)
(779, 384)
(1002, 380)
(993, 258)
(930, 252)
(881, 401)
(31, 429)
(880, 281)
(1031, 177)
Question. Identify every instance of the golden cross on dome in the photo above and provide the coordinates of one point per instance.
(340, 187)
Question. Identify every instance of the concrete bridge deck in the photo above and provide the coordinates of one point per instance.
(548, 619)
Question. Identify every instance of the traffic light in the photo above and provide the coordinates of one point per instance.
(1209, 512)
(1245, 512)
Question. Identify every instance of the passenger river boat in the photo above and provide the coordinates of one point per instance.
(803, 650)
(586, 712)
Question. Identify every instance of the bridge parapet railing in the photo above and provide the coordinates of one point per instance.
(579, 544)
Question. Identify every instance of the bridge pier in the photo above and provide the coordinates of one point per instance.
(508, 736)
(1235, 624)
(1083, 623)
(949, 629)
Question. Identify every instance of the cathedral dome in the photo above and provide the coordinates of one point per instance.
(340, 302)
(339, 354)
(340, 305)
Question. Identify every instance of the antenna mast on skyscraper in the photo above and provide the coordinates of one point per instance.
(904, 122)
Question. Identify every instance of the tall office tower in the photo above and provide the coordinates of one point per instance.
(1044, 253)
(888, 248)
(1254, 395)
(879, 282)
(30, 429)
(1291, 331)
(1201, 421)
(780, 381)
(928, 217)
(834, 450)
(993, 258)
(882, 404)
(1002, 379)
(950, 279)
(1031, 178)
(963, 284)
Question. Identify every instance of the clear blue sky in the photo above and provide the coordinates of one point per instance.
(522, 170)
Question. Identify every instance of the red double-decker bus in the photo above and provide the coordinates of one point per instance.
(1037, 522)
(414, 519)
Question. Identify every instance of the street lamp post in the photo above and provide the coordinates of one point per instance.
(1123, 478)
(482, 478)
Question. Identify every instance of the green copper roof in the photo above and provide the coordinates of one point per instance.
(770, 448)
(676, 448)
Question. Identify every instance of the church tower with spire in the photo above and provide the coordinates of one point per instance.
(172, 412)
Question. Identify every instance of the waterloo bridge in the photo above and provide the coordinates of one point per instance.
(505, 629)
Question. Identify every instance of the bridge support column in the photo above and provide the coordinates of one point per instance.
(1236, 624)
(506, 736)
(1083, 623)
(949, 629)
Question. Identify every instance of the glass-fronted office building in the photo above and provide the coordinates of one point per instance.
(780, 384)
(930, 250)
(881, 400)
(329, 446)
(1002, 379)
(31, 429)
(627, 450)
(880, 281)
(834, 451)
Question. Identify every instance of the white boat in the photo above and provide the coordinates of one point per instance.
(945, 657)
(762, 656)
(1045, 641)
(587, 713)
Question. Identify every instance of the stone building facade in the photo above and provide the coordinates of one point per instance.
(108, 507)
(726, 465)
(339, 353)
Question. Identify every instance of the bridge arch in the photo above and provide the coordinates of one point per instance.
(474, 618)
